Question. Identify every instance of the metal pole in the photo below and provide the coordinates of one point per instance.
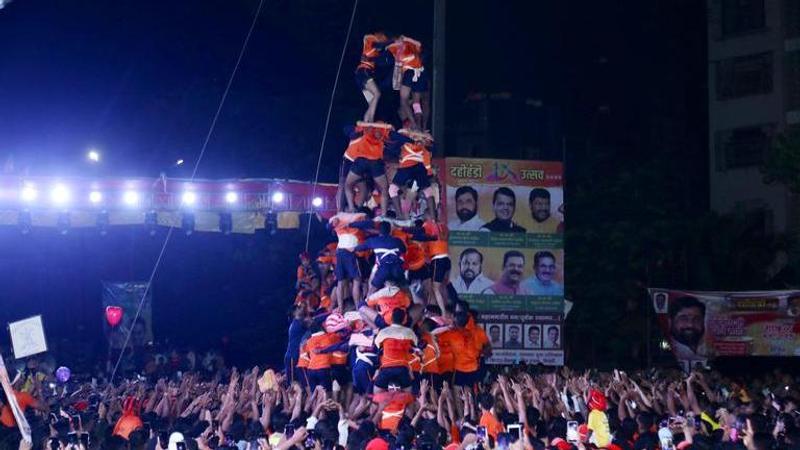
(439, 14)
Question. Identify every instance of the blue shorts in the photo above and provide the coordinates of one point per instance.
(399, 376)
(362, 377)
(405, 176)
(389, 271)
(319, 377)
(439, 268)
(465, 378)
(371, 168)
(346, 266)
(421, 85)
(363, 75)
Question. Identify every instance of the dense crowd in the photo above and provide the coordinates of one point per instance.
(521, 407)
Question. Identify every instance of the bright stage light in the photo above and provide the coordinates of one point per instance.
(317, 202)
(231, 197)
(28, 194)
(277, 197)
(93, 156)
(60, 194)
(189, 198)
(131, 198)
(95, 197)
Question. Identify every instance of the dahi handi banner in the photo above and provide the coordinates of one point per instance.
(506, 222)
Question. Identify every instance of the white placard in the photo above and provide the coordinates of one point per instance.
(27, 337)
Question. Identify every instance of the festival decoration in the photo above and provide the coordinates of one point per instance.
(63, 374)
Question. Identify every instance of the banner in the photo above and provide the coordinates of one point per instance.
(702, 325)
(506, 222)
(27, 337)
(127, 296)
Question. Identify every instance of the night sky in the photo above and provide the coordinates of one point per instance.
(141, 80)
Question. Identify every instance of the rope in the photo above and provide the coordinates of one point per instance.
(194, 172)
(328, 120)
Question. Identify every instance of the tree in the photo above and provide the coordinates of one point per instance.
(782, 164)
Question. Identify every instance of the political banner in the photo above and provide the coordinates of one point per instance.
(506, 221)
(700, 326)
(127, 295)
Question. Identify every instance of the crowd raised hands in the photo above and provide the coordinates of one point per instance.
(519, 407)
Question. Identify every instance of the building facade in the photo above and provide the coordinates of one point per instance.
(754, 93)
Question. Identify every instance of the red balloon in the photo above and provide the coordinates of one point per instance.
(113, 315)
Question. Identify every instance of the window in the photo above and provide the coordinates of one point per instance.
(791, 13)
(792, 67)
(741, 16)
(741, 147)
(743, 76)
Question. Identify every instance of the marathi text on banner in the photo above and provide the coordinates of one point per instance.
(506, 223)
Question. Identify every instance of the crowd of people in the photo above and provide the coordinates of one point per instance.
(520, 407)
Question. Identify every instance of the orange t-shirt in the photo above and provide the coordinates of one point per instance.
(412, 153)
(370, 51)
(369, 145)
(448, 344)
(437, 248)
(493, 426)
(318, 341)
(479, 337)
(430, 355)
(393, 412)
(387, 300)
(407, 52)
(396, 343)
(24, 400)
(466, 357)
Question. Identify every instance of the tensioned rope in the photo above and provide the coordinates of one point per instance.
(194, 172)
(328, 121)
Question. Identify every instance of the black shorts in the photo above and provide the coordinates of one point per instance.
(319, 377)
(381, 323)
(364, 167)
(421, 85)
(465, 378)
(341, 374)
(364, 266)
(344, 169)
(439, 268)
(407, 175)
(423, 273)
(363, 75)
(399, 376)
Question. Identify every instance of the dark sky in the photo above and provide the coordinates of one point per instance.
(141, 79)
